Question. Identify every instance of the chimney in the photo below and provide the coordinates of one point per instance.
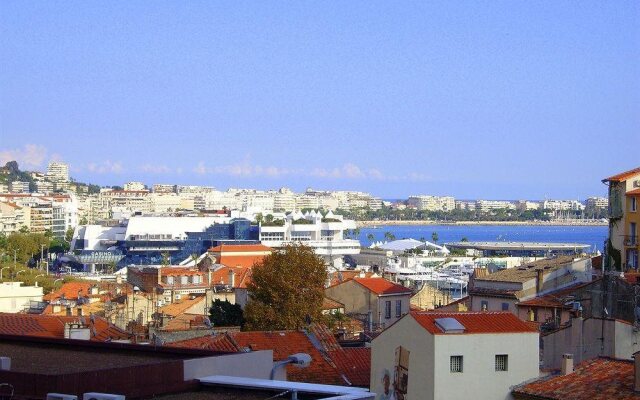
(539, 279)
(567, 364)
(232, 278)
(636, 373)
(209, 276)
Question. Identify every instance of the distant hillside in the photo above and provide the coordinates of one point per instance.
(11, 172)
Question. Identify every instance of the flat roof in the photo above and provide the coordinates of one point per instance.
(64, 356)
(517, 245)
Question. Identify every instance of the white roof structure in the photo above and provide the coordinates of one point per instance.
(410, 244)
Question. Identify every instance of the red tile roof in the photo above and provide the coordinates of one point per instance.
(622, 176)
(381, 286)
(596, 379)
(69, 291)
(53, 326)
(474, 322)
(343, 276)
(242, 276)
(330, 304)
(173, 271)
(283, 343)
(354, 363)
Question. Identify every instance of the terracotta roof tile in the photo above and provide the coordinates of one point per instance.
(596, 379)
(53, 326)
(354, 363)
(242, 276)
(330, 304)
(69, 290)
(176, 309)
(623, 175)
(283, 344)
(474, 322)
(381, 286)
(343, 276)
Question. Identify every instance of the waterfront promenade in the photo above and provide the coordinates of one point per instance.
(365, 224)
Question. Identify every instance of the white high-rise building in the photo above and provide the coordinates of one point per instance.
(58, 172)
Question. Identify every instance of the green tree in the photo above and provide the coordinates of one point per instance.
(287, 288)
(223, 313)
(68, 235)
(370, 237)
(464, 239)
(166, 258)
(434, 237)
(389, 236)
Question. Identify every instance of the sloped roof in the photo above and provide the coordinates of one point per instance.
(283, 344)
(343, 276)
(53, 326)
(242, 276)
(381, 286)
(622, 176)
(527, 271)
(330, 304)
(175, 309)
(69, 290)
(474, 322)
(596, 379)
(354, 363)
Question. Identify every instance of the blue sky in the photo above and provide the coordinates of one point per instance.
(499, 99)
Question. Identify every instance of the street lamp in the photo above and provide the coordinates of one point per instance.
(41, 254)
(35, 279)
(2, 269)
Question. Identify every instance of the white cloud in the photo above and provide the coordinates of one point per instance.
(155, 169)
(106, 167)
(32, 155)
(348, 171)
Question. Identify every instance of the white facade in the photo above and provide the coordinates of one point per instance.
(13, 217)
(134, 186)
(461, 365)
(487, 205)
(58, 171)
(563, 205)
(15, 298)
(432, 203)
(19, 187)
(326, 238)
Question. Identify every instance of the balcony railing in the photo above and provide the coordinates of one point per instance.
(631, 241)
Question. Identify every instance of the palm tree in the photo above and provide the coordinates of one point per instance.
(370, 237)
(434, 237)
(389, 236)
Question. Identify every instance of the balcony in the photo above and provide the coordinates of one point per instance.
(631, 241)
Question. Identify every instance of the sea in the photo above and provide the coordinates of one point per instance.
(593, 236)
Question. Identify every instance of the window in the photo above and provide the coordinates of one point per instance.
(398, 308)
(387, 309)
(505, 306)
(634, 203)
(502, 362)
(484, 305)
(456, 364)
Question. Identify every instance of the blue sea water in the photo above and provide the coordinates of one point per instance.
(592, 235)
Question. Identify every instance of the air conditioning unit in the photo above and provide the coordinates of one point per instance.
(60, 396)
(102, 396)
